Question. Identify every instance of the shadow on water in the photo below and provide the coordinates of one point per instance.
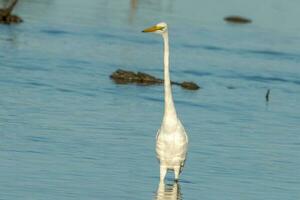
(168, 191)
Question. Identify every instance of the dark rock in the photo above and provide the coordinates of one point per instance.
(10, 19)
(126, 77)
(189, 85)
(148, 79)
(237, 19)
(5, 14)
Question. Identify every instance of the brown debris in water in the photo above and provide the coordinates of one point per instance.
(5, 14)
(237, 19)
(126, 77)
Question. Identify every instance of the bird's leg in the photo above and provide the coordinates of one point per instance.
(163, 172)
(177, 172)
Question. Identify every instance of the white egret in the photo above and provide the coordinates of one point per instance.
(171, 138)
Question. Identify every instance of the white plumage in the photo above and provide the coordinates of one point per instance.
(171, 138)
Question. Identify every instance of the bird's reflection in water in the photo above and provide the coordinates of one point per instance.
(168, 191)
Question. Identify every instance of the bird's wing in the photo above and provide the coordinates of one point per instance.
(182, 129)
(157, 133)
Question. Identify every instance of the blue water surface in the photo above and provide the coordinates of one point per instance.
(68, 132)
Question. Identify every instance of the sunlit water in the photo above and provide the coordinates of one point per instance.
(68, 132)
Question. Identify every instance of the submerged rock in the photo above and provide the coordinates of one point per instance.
(189, 85)
(10, 19)
(237, 20)
(230, 87)
(5, 14)
(126, 77)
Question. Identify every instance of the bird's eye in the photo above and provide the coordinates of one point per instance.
(161, 28)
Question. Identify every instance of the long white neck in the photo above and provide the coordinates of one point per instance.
(170, 112)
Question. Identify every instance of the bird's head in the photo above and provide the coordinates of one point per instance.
(159, 28)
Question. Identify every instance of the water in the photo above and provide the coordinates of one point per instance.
(68, 132)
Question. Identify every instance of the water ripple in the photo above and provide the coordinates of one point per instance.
(126, 38)
(197, 73)
(266, 53)
(55, 32)
(259, 78)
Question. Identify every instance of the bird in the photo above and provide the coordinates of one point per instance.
(171, 137)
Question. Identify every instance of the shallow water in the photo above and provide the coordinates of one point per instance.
(68, 132)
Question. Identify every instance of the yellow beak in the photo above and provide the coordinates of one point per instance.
(153, 29)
